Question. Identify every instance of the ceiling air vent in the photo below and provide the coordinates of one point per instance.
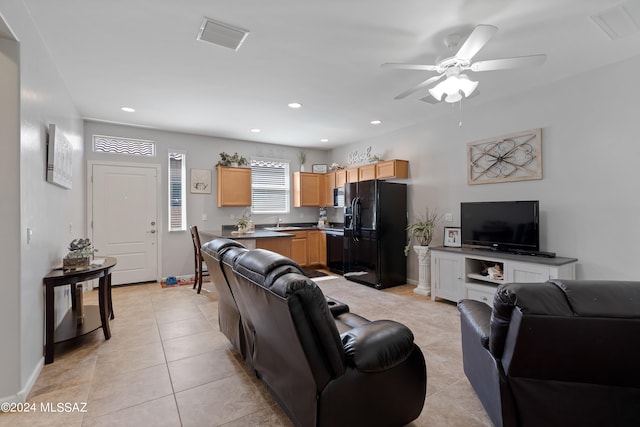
(221, 34)
(619, 21)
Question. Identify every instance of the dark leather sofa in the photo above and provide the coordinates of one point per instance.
(560, 353)
(324, 365)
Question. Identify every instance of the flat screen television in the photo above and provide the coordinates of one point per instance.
(501, 226)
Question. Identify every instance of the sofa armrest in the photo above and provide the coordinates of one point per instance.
(377, 346)
(336, 307)
(478, 315)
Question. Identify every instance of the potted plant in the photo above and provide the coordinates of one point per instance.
(80, 254)
(243, 221)
(302, 156)
(422, 232)
(233, 160)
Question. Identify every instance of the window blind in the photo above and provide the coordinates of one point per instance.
(177, 203)
(269, 186)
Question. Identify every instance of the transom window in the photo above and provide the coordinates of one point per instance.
(133, 147)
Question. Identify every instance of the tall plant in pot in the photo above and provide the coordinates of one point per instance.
(421, 231)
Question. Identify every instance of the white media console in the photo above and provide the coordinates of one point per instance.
(456, 272)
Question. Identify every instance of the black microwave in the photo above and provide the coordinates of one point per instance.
(338, 197)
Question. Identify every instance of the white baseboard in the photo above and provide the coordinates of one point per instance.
(21, 396)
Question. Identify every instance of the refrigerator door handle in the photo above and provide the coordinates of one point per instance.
(354, 221)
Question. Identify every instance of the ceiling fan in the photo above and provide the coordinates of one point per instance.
(457, 84)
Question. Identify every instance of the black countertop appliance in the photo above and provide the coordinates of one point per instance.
(375, 223)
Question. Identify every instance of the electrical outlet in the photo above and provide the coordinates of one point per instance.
(204, 217)
(448, 217)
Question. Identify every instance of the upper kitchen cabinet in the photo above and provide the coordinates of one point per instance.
(341, 178)
(392, 169)
(365, 173)
(353, 175)
(234, 186)
(307, 189)
(327, 184)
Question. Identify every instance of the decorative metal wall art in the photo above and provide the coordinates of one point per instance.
(514, 157)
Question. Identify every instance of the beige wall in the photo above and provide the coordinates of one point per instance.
(589, 192)
(53, 213)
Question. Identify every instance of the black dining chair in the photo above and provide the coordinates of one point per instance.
(200, 267)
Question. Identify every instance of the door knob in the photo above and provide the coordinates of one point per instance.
(152, 231)
(153, 223)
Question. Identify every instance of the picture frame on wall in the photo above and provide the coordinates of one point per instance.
(452, 237)
(200, 181)
(319, 168)
(59, 158)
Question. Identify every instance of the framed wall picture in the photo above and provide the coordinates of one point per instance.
(319, 168)
(506, 158)
(201, 181)
(59, 158)
(453, 237)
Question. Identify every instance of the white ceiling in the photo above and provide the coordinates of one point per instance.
(325, 54)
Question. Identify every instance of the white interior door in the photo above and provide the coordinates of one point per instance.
(125, 220)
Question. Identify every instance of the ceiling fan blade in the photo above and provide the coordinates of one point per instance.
(422, 85)
(409, 66)
(476, 40)
(507, 63)
(430, 99)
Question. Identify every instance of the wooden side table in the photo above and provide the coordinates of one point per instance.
(94, 316)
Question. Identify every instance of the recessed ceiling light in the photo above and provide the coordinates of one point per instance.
(294, 105)
(375, 122)
(128, 109)
(324, 140)
(255, 130)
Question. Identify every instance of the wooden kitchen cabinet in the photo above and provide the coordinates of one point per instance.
(306, 189)
(353, 175)
(367, 172)
(234, 186)
(341, 178)
(308, 247)
(299, 248)
(328, 184)
(281, 245)
(314, 247)
(392, 169)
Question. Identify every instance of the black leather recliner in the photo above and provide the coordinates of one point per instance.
(324, 365)
(560, 353)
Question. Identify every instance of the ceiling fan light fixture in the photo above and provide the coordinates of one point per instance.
(454, 86)
(466, 85)
(453, 97)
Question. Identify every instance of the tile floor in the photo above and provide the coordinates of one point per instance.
(168, 365)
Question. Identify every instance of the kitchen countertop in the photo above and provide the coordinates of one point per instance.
(228, 234)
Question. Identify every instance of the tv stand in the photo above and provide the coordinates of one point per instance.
(457, 273)
(533, 253)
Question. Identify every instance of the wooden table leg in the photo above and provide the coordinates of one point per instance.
(49, 324)
(113, 316)
(103, 305)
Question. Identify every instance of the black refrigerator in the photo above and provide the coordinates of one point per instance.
(375, 222)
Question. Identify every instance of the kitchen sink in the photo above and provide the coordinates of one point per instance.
(285, 228)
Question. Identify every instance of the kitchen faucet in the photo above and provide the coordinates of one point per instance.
(279, 221)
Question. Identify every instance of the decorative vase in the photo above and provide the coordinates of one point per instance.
(424, 270)
(234, 164)
(301, 168)
(242, 229)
